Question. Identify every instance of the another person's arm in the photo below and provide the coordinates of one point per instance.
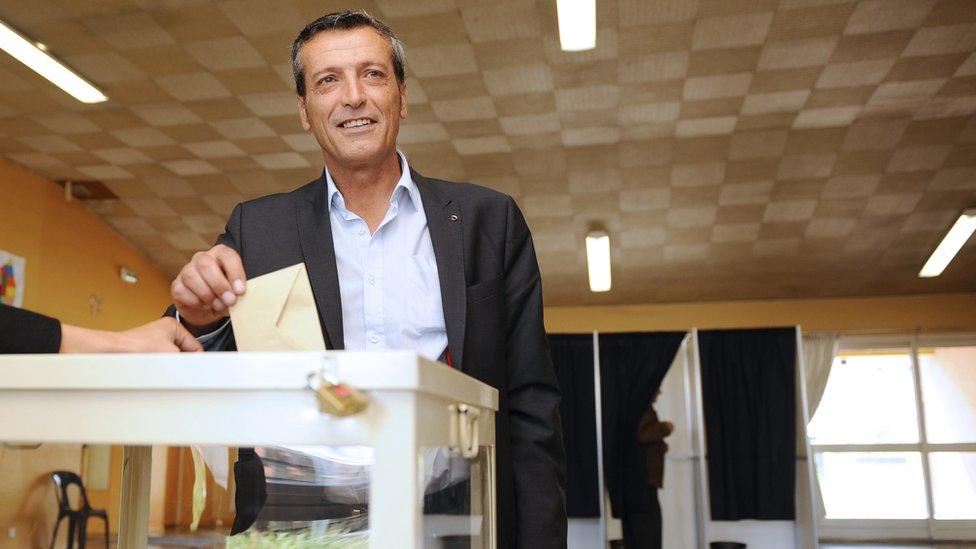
(159, 336)
(27, 332)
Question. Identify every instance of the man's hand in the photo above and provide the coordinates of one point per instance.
(160, 336)
(207, 286)
(668, 426)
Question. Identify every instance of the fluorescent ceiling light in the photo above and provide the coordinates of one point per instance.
(43, 64)
(577, 24)
(950, 245)
(598, 260)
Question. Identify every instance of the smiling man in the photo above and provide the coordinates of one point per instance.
(397, 260)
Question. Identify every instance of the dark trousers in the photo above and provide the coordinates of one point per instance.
(643, 530)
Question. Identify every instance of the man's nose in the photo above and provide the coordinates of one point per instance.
(354, 94)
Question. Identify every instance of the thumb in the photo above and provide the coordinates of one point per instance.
(184, 340)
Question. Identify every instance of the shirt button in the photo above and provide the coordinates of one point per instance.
(374, 338)
(362, 232)
(372, 281)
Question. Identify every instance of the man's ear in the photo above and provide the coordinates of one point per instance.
(403, 100)
(302, 113)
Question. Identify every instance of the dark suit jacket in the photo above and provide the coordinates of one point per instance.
(492, 296)
(26, 332)
(651, 433)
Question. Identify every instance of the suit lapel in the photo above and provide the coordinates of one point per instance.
(315, 234)
(444, 224)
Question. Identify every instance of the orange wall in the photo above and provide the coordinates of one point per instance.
(895, 314)
(71, 255)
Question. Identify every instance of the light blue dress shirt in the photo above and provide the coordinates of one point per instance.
(391, 296)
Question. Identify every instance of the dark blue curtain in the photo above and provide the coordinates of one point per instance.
(572, 358)
(749, 398)
(632, 367)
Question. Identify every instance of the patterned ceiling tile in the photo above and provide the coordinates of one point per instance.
(503, 21)
(794, 54)
(443, 60)
(731, 31)
(470, 108)
(884, 15)
(514, 80)
(772, 139)
(826, 117)
(106, 67)
(192, 86)
(129, 31)
(225, 53)
(256, 17)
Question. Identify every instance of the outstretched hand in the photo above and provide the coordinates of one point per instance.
(160, 336)
(163, 335)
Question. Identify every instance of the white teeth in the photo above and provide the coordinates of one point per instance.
(356, 123)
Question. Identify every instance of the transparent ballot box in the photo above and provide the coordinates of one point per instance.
(245, 450)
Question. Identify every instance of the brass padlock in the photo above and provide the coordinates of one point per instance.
(335, 398)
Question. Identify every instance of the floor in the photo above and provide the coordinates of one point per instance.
(872, 545)
(168, 541)
(209, 540)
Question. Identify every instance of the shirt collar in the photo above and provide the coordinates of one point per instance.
(406, 183)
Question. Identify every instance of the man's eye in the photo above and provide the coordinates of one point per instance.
(374, 74)
(327, 80)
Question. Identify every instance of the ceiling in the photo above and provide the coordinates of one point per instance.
(733, 149)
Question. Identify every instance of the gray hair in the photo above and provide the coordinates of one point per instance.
(346, 20)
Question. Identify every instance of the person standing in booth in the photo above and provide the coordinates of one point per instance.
(643, 530)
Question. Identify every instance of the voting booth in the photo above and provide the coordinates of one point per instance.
(411, 464)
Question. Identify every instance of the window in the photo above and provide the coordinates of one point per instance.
(894, 438)
(865, 485)
(954, 484)
(870, 399)
(949, 393)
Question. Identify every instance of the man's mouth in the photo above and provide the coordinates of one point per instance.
(356, 123)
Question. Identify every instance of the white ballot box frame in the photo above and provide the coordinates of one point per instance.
(251, 399)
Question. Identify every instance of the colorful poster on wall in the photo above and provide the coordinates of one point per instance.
(12, 279)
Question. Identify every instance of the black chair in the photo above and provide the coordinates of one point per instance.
(77, 518)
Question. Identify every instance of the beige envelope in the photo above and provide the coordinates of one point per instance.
(277, 313)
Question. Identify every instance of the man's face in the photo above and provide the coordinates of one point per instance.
(353, 103)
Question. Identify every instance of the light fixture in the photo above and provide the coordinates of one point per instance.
(960, 232)
(577, 24)
(598, 260)
(39, 61)
(128, 275)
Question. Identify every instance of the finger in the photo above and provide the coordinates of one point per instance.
(230, 262)
(194, 281)
(214, 276)
(183, 297)
(184, 340)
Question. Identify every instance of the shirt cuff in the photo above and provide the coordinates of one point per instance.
(208, 337)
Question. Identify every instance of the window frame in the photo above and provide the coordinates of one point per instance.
(929, 529)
